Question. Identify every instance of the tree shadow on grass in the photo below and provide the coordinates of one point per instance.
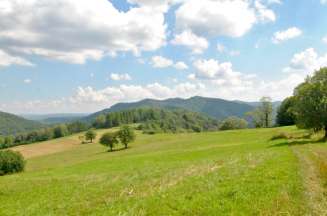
(298, 142)
(114, 150)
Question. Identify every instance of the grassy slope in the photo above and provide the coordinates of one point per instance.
(224, 173)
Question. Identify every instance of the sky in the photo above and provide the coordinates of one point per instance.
(81, 56)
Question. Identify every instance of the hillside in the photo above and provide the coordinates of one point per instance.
(218, 173)
(213, 107)
(153, 120)
(11, 124)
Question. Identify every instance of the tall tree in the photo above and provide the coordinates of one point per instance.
(311, 102)
(126, 135)
(262, 116)
(266, 110)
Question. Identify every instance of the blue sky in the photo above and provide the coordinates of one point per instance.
(83, 56)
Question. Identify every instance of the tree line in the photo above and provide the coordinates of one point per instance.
(43, 134)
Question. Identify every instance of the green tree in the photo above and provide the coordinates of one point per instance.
(60, 131)
(109, 139)
(90, 135)
(285, 112)
(100, 121)
(232, 123)
(262, 116)
(126, 135)
(311, 102)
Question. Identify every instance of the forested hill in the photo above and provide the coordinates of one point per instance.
(213, 107)
(11, 124)
(154, 120)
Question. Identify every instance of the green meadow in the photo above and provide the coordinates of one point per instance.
(240, 172)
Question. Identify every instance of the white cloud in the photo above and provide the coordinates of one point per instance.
(323, 1)
(161, 62)
(180, 65)
(221, 18)
(274, 2)
(264, 14)
(219, 73)
(7, 60)
(288, 34)
(195, 43)
(27, 81)
(77, 31)
(306, 62)
(119, 77)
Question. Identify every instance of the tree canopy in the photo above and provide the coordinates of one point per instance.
(311, 102)
(90, 135)
(109, 139)
(285, 112)
(126, 135)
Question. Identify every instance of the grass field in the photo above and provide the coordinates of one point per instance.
(221, 173)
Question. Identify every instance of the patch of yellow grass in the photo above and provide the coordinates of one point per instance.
(53, 146)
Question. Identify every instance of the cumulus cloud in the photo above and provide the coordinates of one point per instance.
(306, 62)
(195, 43)
(7, 60)
(221, 18)
(77, 31)
(180, 65)
(162, 62)
(264, 14)
(221, 73)
(119, 77)
(285, 35)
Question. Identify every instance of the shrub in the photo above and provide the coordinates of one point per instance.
(281, 135)
(11, 162)
(233, 123)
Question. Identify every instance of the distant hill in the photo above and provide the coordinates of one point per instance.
(55, 118)
(11, 124)
(212, 107)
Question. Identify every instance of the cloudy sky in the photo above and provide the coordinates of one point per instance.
(83, 56)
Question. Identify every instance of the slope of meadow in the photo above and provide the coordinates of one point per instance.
(218, 173)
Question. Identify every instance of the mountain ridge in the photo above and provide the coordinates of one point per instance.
(213, 107)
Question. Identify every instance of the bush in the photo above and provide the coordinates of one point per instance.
(11, 162)
(233, 123)
(281, 135)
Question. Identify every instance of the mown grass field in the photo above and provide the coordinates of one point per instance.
(221, 173)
